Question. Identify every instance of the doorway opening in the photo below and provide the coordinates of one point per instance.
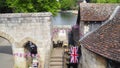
(112, 64)
(31, 54)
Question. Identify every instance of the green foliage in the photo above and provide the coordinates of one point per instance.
(4, 7)
(68, 4)
(24, 6)
(105, 1)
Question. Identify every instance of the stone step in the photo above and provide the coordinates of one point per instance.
(56, 56)
(56, 67)
(56, 60)
(56, 64)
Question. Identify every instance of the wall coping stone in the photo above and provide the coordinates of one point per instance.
(40, 14)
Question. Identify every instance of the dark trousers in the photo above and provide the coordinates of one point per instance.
(73, 65)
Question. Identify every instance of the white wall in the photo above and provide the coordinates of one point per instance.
(92, 60)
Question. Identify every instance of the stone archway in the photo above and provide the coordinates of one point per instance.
(6, 51)
(7, 37)
(31, 54)
(24, 44)
(23, 41)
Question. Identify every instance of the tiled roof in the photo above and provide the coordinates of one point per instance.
(96, 12)
(105, 40)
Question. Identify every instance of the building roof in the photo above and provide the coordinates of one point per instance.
(105, 40)
(96, 11)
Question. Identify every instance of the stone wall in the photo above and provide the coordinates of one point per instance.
(19, 28)
(92, 60)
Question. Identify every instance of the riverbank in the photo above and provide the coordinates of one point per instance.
(64, 19)
(70, 11)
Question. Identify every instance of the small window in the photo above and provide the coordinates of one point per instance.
(86, 28)
(91, 25)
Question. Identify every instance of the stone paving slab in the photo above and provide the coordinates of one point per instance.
(55, 66)
(56, 60)
(6, 61)
(57, 52)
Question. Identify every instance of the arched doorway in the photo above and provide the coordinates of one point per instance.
(31, 54)
(6, 56)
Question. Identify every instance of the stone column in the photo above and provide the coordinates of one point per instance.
(19, 59)
(41, 57)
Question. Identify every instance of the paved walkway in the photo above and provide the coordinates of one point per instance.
(6, 58)
(6, 61)
(58, 52)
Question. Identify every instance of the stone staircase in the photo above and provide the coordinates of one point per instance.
(56, 60)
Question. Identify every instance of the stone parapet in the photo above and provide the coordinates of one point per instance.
(24, 18)
(15, 15)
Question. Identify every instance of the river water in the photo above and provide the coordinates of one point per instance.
(64, 19)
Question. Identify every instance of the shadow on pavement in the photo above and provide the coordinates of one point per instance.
(6, 49)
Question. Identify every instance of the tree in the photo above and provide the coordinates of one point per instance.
(24, 6)
(4, 7)
(68, 4)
